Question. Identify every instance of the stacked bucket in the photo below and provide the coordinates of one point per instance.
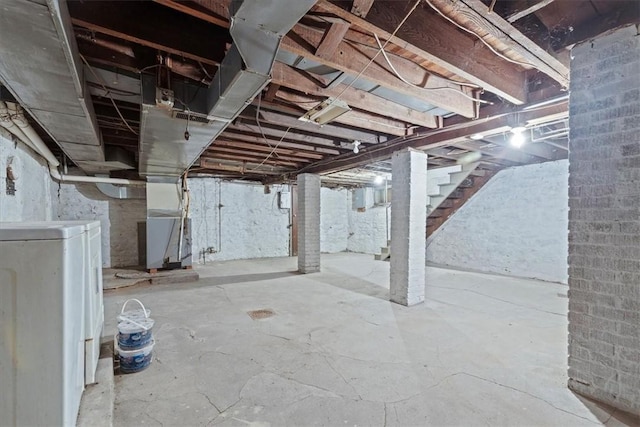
(134, 342)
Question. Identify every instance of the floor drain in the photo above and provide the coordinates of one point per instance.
(260, 314)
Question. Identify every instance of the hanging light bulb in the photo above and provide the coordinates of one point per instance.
(356, 144)
(517, 136)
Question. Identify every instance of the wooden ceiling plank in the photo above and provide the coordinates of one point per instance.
(215, 148)
(282, 149)
(353, 59)
(528, 11)
(475, 12)
(431, 37)
(229, 134)
(275, 118)
(331, 40)
(291, 78)
(203, 42)
(353, 117)
(361, 7)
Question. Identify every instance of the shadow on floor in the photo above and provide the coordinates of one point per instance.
(608, 415)
(356, 285)
(241, 278)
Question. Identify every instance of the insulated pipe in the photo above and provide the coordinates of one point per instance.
(7, 123)
(38, 144)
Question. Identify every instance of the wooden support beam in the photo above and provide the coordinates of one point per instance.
(264, 148)
(475, 17)
(203, 42)
(528, 11)
(243, 156)
(279, 119)
(352, 59)
(291, 78)
(271, 92)
(431, 37)
(361, 7)
(230, 149)
(331, 40)
(234, 134)
(431, 139)
(353, 118)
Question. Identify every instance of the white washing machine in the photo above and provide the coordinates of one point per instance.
(42, 337)
(94, 306)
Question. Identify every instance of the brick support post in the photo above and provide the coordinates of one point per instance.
(604, 219)
(408, 226)
(308, 223)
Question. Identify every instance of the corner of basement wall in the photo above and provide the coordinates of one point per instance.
(34, 198)
(517, 225)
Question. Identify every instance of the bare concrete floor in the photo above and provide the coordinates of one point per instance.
(482, 350)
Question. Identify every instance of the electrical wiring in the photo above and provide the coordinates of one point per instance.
(384, 54)
(260, 125)
(376, 55)
(272, 151)
(108, 94)
(506, 58)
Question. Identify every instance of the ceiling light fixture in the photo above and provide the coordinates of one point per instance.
(517, 136)
(378, 180)
(356, 145)
(326, 111)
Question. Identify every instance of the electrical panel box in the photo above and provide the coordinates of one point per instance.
(360, 198)
(284, 200)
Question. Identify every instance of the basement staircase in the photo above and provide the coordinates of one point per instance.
(452, 194)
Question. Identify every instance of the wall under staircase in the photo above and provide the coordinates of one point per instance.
(447, 190)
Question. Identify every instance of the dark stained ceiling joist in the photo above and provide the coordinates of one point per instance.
(152, 25)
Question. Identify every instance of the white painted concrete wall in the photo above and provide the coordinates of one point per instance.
(118, 220)
(517, 224)
(35, 195)
(237, 220)
(368, 229)
(334, 220)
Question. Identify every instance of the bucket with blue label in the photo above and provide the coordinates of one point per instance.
(132, 361)
(135, 327)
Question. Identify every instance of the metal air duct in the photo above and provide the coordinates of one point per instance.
(257, 27)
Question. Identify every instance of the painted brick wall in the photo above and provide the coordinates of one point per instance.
(237, 220)
(334, 220)
(35, 196)
(118, 220)
(367, 231)
(308, 223)
(604, 219)
(516, 225)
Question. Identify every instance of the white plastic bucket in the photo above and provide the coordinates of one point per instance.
(132, 361)
(135, 327)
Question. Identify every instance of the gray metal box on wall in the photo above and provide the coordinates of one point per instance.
(163, 243)
(359, 198)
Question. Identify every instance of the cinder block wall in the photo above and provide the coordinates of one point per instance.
(604, 220)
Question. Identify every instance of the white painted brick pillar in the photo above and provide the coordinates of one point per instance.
(408, 226)
(308, 223)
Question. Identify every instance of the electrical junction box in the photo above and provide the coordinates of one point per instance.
(164, 98)
(284, 200)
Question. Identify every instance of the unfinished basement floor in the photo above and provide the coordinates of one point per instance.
(482, 350)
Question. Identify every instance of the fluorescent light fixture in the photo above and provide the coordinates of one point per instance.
(326, 111)
(476, 136)
(378, 180)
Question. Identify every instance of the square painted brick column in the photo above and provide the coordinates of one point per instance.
(604, 219)
(308, 223)
(408, 226)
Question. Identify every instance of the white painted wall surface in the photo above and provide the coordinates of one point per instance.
(368, 229)
(248, 225)
(35, 190)
(334, 220)
(517, 224)
(118, 220)
(438, 176)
